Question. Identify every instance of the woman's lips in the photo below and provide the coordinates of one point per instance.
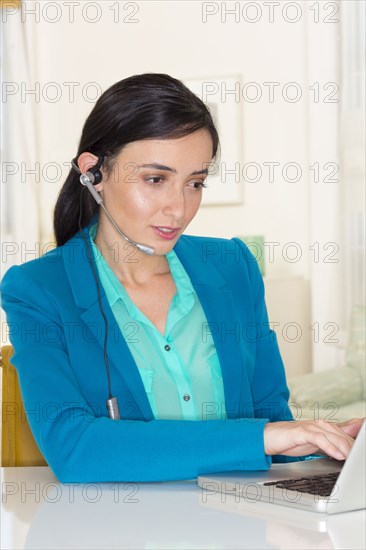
(167, 233)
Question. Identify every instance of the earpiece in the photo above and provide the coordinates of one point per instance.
(94, 170)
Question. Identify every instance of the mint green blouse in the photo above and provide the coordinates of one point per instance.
(180, 371)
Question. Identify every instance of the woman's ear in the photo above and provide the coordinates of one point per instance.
(85, 162)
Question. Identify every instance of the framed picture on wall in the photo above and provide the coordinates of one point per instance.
(222, 97)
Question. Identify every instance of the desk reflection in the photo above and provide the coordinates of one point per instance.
(174, 515)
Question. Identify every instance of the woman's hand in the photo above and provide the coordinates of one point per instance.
(303, 437)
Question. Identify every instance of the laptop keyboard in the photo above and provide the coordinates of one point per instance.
(321, 485)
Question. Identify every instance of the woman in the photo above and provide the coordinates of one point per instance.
(172, 330)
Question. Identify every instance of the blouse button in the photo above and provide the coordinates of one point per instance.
(167, 347)
(186, 397)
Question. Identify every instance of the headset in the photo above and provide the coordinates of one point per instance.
(88, 179)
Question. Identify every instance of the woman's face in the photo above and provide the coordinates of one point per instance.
(155, 187)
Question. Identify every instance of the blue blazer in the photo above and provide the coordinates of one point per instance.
(57, 332)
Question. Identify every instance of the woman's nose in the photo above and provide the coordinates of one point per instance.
(174, 204)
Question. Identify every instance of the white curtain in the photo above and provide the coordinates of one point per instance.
(352, 150)
(336, 58)
(21, 172)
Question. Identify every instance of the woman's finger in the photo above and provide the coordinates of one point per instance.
(352, 427)
(332, 444)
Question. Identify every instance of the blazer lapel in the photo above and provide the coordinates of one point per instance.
(85, 294)
(121, 363)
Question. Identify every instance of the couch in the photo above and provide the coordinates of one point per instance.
(339, 393)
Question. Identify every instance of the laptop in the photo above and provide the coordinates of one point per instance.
(321, 485)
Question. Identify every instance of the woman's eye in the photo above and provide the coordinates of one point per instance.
(158, 180)
(198, 184)
(154, 180)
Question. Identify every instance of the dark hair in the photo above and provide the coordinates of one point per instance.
(146, 106)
